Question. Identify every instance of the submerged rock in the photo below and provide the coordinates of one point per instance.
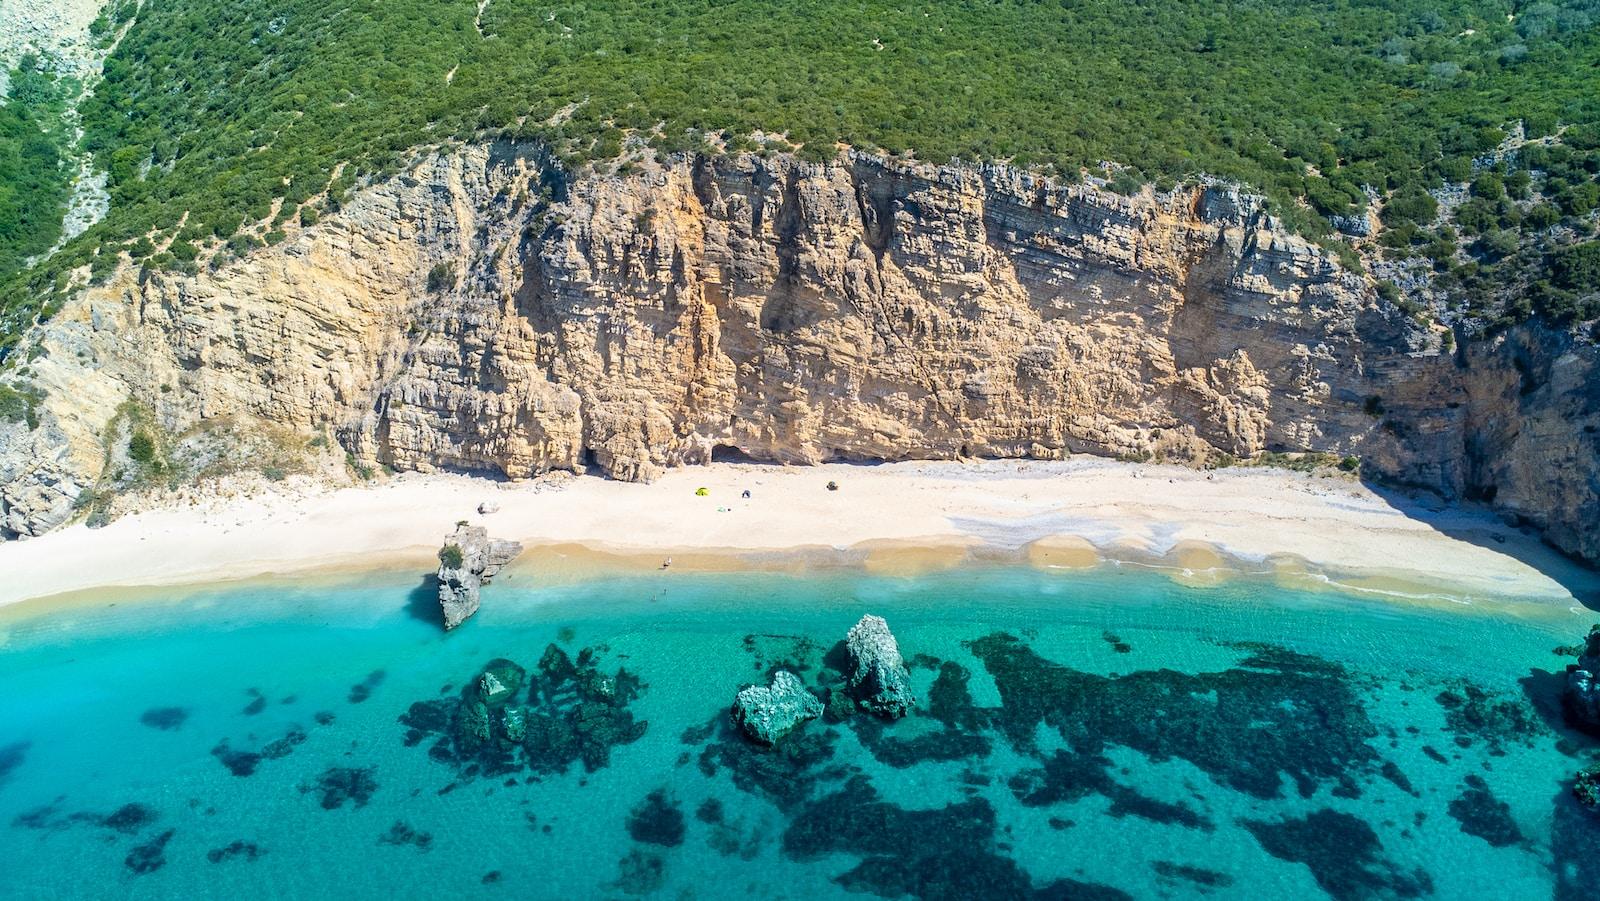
(766, 713)
(878, 678)
(1583, 684)
(150, 856)
(500, 681)
(468, 560)
(1586, 787)
(573, 713)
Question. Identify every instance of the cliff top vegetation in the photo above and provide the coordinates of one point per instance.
(218, 120)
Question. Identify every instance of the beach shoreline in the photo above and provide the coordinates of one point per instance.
(890, 519)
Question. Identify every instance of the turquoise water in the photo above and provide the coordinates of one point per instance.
(1095, 735)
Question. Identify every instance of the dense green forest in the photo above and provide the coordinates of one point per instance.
(210, 110)
(33, 175)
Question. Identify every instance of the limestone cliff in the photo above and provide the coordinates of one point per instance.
(486, 312)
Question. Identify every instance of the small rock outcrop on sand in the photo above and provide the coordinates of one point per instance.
(468, 560)
(879, 681)
(1583, 685)
(766, 713)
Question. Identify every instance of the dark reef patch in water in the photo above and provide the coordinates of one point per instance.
(1203, 879)
(166, 719)
(1343, 854)
(786, 774)
(363, 690)
(574, 713)
(1116, 642)
(258, 702)
(1391, 771)
(940, 853)
(11, 757)
(950, 701)
(641, 872)
(1482, 814)
(339, 784)
(1279, 713)
(244, 763)
(237, 848)
(239, 763)
(795, 653)
(1067, 777)
(657, 820)
(1574, 850)
(127, 819)
(41, 817)
(150, 856)
(943, 745)
(1473, 714)
(401, 833)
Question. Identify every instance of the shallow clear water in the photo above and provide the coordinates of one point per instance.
(1116, 735)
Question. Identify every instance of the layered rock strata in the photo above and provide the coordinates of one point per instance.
(488, 312)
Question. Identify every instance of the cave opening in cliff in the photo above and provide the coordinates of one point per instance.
(727, 453)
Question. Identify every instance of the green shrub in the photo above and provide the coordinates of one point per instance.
(15, 406)
(451, 556)
(142, 447)
(1578, 268)
(215, 111)
(441, 277)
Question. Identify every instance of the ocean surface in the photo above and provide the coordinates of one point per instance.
(1096, 735)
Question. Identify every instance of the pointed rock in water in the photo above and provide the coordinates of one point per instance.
(766, 713)
(878, 678)
(500, 681)
(1583, 684)
(468, 560)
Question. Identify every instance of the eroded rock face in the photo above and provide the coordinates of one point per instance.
(878, 678)
(468, 561)
(766, 713)
(801, 312)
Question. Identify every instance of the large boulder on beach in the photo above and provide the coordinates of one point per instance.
(766, 713)
(467, 562)
(1583, 685)
(878, 678)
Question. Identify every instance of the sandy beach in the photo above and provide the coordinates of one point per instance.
(1201, 526)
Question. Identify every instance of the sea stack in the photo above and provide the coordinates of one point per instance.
(1583, 685)
(766, 713)
(878, 678)
(468, 560)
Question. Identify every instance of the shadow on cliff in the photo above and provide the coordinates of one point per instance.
(422, 602)
(1478, 524)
